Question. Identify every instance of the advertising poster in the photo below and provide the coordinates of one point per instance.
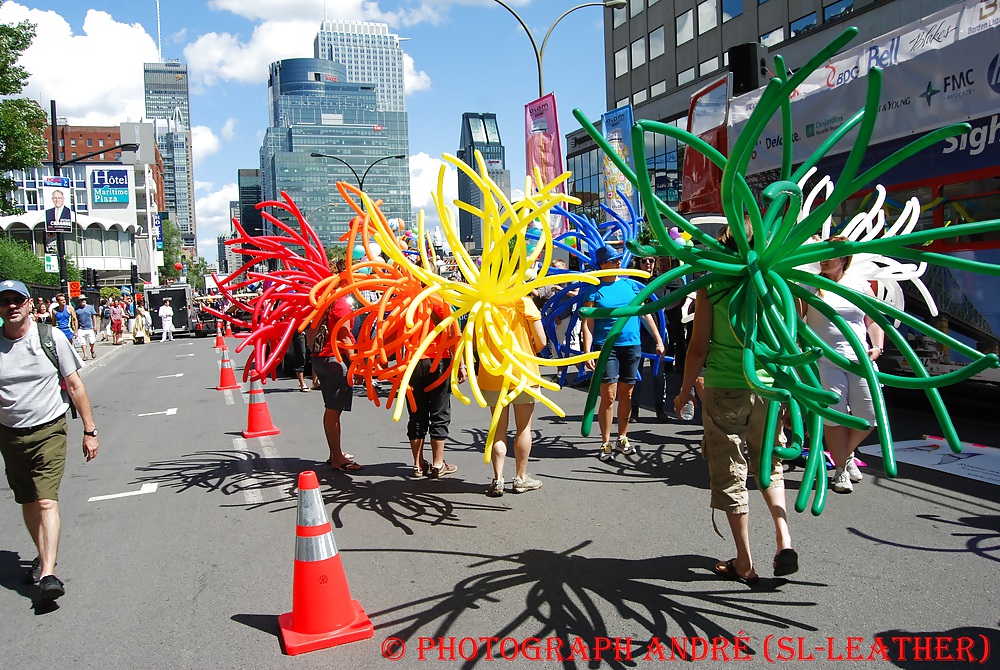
(57, 195)
(543, 148)
(617, 127)
(156, 228)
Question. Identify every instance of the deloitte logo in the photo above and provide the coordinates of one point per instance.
(993, 74)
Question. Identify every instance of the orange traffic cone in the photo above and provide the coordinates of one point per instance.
(229, 330)
(258, 416)
(227, 377)
(219, 341)
(323, 614)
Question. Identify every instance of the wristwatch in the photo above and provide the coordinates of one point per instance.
(90, 433)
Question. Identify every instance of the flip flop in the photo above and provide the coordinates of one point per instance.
(727, 570)
(305, 389)
(348, 466)
(786, 562)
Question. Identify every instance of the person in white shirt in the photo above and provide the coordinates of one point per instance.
(166, 314)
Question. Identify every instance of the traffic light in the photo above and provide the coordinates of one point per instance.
(135, 274)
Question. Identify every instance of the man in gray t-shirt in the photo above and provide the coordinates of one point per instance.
(33, 424)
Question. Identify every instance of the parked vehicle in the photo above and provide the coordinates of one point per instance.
(183, 303)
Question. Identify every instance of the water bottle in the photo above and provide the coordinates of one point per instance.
(687, 411)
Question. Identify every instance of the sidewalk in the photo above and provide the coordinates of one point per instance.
(105, 351)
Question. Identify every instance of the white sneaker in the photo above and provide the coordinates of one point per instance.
(528, 483)
(842, 481)
(606, 453)
(625, 446)
(496, 489)
(852, 470)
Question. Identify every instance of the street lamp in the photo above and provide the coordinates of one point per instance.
(540, 53)
(56, 166)
(361, 179)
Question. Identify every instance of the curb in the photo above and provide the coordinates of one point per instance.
(95, 362)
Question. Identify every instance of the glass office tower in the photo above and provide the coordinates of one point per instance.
(479, 133)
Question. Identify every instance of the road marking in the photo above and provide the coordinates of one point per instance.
(169, 412)
(186, 344)
(179, 374)
(183, 355)
(271, 454)
(149, 487)
(251, 488)
(229, 397)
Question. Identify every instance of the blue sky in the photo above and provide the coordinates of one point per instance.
(461, 56)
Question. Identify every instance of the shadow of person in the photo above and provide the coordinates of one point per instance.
(15, 576)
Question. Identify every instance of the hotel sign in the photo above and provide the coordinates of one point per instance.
(109, 187)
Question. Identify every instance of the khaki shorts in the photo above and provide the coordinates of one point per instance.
(734, 421)
(493, 397)
(35, 460)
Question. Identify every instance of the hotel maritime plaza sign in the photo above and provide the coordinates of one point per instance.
(109, 187)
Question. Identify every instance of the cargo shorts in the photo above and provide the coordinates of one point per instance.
(734, 422)
(34, 459)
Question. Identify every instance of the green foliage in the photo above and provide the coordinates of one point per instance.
(171, 250)
(196, 271)
(110, 292)
(18, 261)
(22, 122)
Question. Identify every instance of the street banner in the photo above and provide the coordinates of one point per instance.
(543, 149)
(57, 196)
(617, 126)
(925, 86)
(156, 220)
(976, 461)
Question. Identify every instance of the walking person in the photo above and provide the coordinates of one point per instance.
(117, 321)
(622, 369)
(33, 424)
(86, 316)
(525, 323)
(63, 317)
(678, 335)
(166, 314)
(733, 418)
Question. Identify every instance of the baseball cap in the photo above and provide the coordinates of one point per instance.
(16, 286)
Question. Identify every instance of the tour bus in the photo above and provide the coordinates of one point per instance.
(940, 70)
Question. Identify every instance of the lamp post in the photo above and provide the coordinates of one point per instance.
(540, 52)
(361, 179)
(56, 167)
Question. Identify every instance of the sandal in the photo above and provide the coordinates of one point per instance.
(305, 389)
(347, 466)
(727, 570)
(786, 562)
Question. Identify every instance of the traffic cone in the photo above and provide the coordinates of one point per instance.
(229, 330)
(323, 614)
(219, 341)
(227, 377)
(258, 416)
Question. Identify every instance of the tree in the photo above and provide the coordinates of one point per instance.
(171, 250)
(196, 271)
(18, 261)
(22, 121)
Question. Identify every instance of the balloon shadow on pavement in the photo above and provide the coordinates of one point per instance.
(259, 480)
(981, 533)
(13, 577)
(566, 592)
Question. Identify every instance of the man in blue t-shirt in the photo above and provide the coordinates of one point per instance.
(85, 315)
(622, 369)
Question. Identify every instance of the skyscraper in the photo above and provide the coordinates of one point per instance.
(248, 183)
(370, 53)
(479, 133)
(168, 104)
(313, 109)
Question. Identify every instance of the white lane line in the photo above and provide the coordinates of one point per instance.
(246, 395)
(229, 397)
(149, 487)
(179, 374)
(186, 344)
(169, 412)
(183, 355)
(251, 487)
(271, 454)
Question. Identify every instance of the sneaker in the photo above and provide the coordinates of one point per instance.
(625, 446)
(496, 489)
(526, 484)
(34, 572)
(852, 470)
(50, 588)
(842, 481)
(439, 471)
(606, 453)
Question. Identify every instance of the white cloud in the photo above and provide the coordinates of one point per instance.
(414, 80)
(94, 96)
(203, 143)
(228, 130)
(428, 11)
(212, 214)
(203, 186)
(423, 182)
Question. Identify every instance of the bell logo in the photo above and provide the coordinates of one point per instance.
(993, 74)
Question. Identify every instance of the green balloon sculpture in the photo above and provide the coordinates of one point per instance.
(764, 275)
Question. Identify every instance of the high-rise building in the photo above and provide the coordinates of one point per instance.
(479, 133)
(248, 184)
(313, 109)
(371, 55)
(168, 103)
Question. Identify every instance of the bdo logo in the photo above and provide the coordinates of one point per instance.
(993, 74)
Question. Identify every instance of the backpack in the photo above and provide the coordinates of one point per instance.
(49, 347)
(316, 337)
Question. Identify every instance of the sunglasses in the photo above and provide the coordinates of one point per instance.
(15, 300)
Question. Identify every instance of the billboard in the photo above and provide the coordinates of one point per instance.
(109, 186)
(617, 126)
(543, 149)
(57, 195)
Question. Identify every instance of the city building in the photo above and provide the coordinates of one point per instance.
(657, 54)
(167, 97)
(313, 109)
(248, 185)
(370, 53)
(479, 133)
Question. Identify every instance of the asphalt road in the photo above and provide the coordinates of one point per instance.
(194, 574)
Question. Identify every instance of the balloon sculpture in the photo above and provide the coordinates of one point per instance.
(767, 277)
